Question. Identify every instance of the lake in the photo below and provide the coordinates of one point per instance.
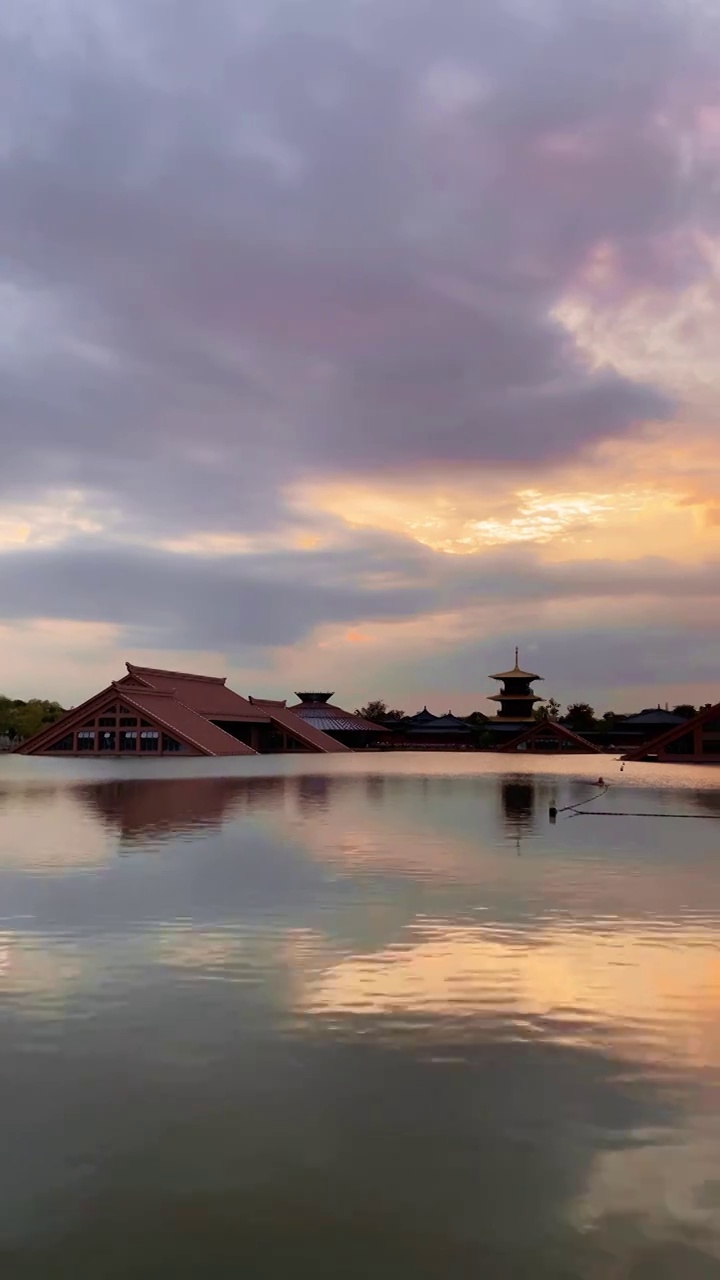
(367, 1016)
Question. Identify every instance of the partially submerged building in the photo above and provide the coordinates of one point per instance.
(347, 727)
(427, 732)
(694, 741)
(549, 738)
(153, 712)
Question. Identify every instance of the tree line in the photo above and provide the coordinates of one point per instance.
(20, 720)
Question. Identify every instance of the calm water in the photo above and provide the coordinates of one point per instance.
(366, 1017)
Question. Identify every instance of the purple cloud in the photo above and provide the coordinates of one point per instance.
(320, 239)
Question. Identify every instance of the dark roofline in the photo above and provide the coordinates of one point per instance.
(545, 726)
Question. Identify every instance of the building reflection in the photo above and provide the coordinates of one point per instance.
(708, 801)
(313, 793)
(518, 805)
(375, 788)
(137, 809)
(518, 799)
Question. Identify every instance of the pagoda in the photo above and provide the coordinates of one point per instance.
(516, 697)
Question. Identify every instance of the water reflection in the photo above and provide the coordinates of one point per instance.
(330, 1021)
(137, 809)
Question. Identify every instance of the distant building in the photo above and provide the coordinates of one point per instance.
(516, 697)
(427, 732)
(633, 731)
(549, 738)
(694, 741)
(317, 710)
(517, 702)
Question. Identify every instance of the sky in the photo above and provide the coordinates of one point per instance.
(347, 344)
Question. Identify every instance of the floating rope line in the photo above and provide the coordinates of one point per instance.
(555, 811)
(602, 791)
(629, 813)
(574, 810)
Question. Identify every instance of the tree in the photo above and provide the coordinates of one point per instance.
(476, 718)
(610, 718)
(21, 720)
(685, 709)
(580, 715)
(550, 710)
(378, 711)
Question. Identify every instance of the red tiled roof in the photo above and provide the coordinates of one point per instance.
(304, 732)
(175, 716)
(186, 705)
(208, 695)
(166, 710)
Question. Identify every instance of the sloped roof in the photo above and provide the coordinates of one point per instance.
(185, 705)
(515, 697)
(677, 731)
(72, 718)
(654, 715)
(163, 708)
(326, 716)
(208, 695)
(421, 717)
(516, 674)
(438, 724)
(550, 728)
(301, 729)
(178, 718)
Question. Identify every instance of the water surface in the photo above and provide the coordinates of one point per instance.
(365, 1016)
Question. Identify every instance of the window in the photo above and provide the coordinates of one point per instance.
(65, 744)
(150, 740)
(86, 740)
(107, 741)
(105, 720)
(145, 724)
(683, 746)
(128, 741)
(170, 744)
(125, 720)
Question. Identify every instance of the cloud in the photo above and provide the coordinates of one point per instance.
(167, 599)
(289, 240)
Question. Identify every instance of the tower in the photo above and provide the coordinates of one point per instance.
(516, 697)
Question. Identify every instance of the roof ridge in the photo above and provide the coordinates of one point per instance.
(125, 690)
(178, 675)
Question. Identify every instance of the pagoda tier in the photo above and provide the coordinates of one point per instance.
(516, 697)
